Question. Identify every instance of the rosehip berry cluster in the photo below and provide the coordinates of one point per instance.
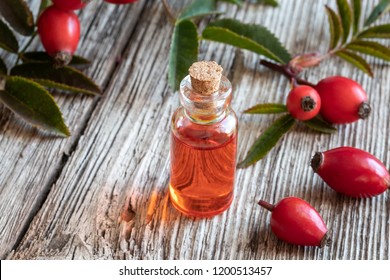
(59, 28)
(339, 100)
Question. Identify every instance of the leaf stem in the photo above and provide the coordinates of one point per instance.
(343, 46)
(283, 69)
(20, 54)
(168, 9)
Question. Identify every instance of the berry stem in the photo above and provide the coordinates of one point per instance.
(284, 70)
(276, 67)
(270, 207)
(294, 83)
(304, 82)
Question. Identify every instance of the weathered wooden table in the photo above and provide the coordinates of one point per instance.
(102, 193)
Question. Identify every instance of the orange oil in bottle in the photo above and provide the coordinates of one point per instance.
(203, 164)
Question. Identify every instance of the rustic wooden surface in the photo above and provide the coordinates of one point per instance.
(102, 193)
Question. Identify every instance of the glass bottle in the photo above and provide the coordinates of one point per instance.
(203, 144)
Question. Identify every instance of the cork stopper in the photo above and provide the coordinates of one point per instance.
(205, 76)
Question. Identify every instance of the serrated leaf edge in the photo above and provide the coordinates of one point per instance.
(334, 22)
(55, 85)
(355, 60)
(266, 52)
(356, 12)
(173, 81)
(65, 133)
(29, 21)
(376, 47)
(345, 13)
(278, 108)
(373, 33)
(328, 129)
(91, 82)
(199, 15)
(287, 122)
(13, 38)
(377, 12)
(51, 60)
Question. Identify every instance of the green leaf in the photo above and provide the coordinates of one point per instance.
(34, 104)
(44, 5)
(355, 60)
(272, 3)
(379, 10)
(3, 67)
(7, 38)
(371, 48)
(55, 85)
(346, 17)
(65, 77)
(237, 2)
(18, 15)
(379, 31)
(183, 52)
(319, 124)
(199, 8)
(267, 108)
(335, 27)
(79, 60)
(357, 10)
(251, 37)
(44, 57)
(267, 140)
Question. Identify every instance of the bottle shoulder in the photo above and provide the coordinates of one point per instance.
(204, 135)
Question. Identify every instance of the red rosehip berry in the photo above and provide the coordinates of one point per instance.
(303, 103)
(352, 172)
(342, 100)
(70, 4)
(59, 31)
(121, 1)
(295, 221)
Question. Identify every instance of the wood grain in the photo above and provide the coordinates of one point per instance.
(102, 194)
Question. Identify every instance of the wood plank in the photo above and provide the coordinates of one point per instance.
(32, 160)
(110, 198)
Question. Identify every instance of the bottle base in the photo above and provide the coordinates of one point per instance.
(200, 208)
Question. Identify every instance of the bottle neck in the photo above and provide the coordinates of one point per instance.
(202, 108)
